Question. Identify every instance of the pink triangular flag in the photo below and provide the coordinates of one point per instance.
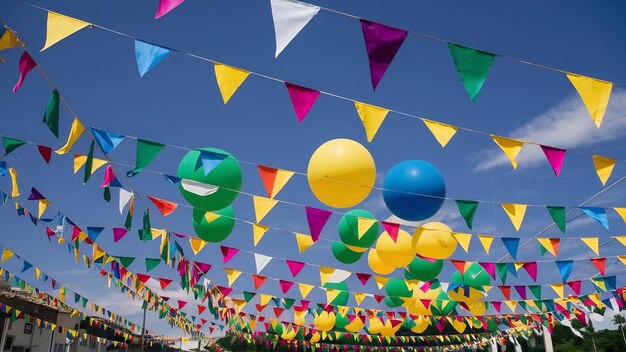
(316, 218)
(555, 157)
(392, 229)
(490, 268)
(166, 6)
(363, 277)
(181, 304)
(26, 64)
(228, 253)
(382, 43)
(285, 285)
(294, 266)
(531, 269)
(302, 99)
(108, 176)
(203, 267)
(118, 233)
(496, 305)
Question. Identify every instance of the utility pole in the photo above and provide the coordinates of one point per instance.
(143, 324)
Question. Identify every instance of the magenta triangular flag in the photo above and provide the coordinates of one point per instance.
(294, 266)
(203, 267)
(575, 286)
(316, 218)
(228, 253)
(118, 233)
(521, 291)
(382, 43)
(363, 277)
(392, 229)
(302, 99)
(531, 269)
(166, 6)
(26, 64)
(555, 157)
(285, 285)
(490, 268)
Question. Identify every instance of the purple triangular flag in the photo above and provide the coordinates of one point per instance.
(382, 43)
(555, 157)
(118, 233)
(35, 195)
(302, 99)
(316, 218)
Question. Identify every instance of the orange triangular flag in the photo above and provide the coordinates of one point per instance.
(274, 179)
(165, 206)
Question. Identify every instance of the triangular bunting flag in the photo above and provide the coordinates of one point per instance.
(565, 268)
(45, 152)
(274, 179)
(382, 43)
(486, 242)
(592, 243)
(290, 17)
(258, 231)
(148, 55)
(463, 239)
(258, 281)
(76, 131)
(26, 64)
(511, 245)
(559, 216)
(598, 214)
(316, 218)
(305, 289)
(304, 241)
(550, 244)
(372, 117)
(107, 140)
(228, 253)
(555, 157)
(197, 244)
(363, 225)
(60, 27)
(604, 167)
(262, 206)
(229, 79)
(621, 212)
(510, 147)
(10, 144)
(594, 93)
(232, 275)
(9, 40)
(516, 213)
(261, 261)
(166, 6)
(442, 132)
(467, 209)
(165, 206)
(472, 65)
(294, 266)
(600, 264)
(146, 152)
(51, 115)
(302, 98)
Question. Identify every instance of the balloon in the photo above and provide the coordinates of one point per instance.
(288, 335)
(397, 288)
(413, 190)
(315, 337)
(421, 323)
(349, 229)
(377, 265)
(442, 306)
(213, 226)
(477, 308)
(375, 325)
(340, 322)
(324, 321)
(393, 302)
(343, 296)
(423, 269)
(434, 240)
(474, 276)
(397, 253)
(216, 190)
(343, 254)
(357, 324)
(341, 173)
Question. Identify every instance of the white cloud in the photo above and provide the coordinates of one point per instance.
(566, 125)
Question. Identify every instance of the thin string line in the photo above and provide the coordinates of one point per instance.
(337, 96)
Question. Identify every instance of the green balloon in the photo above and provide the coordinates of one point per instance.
(393, 302)
(349, 229)
(397, 288)
(423, 270)
(344, 254)
(341, 322)
(218, 229)
(343, 296)
(226, 175)
(408, 324)
(474, 275)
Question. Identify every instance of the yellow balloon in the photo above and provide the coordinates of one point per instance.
(324, 321)
(298, 318)
(421, 323)
(459, 295)
(375, 326)
(397, 253)
(315, 337)
(434, 240)
(356, 249)
(356, 325)
(477, 308)
(341, 173)
(288, 335)
(377, 265)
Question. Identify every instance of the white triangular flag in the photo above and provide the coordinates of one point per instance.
(125, 197)
(338, 276)
(289, 19)
(261, 261)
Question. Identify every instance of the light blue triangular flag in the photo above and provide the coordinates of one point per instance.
(598, 214)
(148, 55)
(107, 140)
(209, 160)
(565, 268)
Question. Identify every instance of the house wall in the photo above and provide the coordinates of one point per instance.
(38, 340)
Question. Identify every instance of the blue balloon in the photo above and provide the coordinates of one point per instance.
(414, 190)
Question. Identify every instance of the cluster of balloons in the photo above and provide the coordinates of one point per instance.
(210, 193)
(357, 234)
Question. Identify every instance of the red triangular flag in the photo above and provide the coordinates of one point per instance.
(302, 99)
(164, 282)
(459, 265)
(143, 277)
(201, 309)
(379, 298)
(600, 264)
(46, 152)
(268, 176)
(165, 206)
(278, 311)
(181, 304)
(392, 229)
(506, 292)
(363, 277)
(258, 281)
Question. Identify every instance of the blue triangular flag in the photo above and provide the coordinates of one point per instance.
(172, 179)
(610, 282)
(5, 197)
(94, 232)
(27, 266)
(565, 268)
(511, 244)
(3, 168)
(510, 267)
(598, 214)
(148, 55)
(209, 160)
(107, 140)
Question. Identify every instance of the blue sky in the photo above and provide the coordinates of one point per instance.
(178, 103)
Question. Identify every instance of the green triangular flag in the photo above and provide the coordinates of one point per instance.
(84, 302)
(248, 295)
(146, 232)
(51, 116)
(467, 208)
(558, 215)
(126, 261)
(502, 270)
(472, 66)
(106, 194)
(152, 263)
(288, 302)
(146, 152)
(535, 290)
(88, 164)
(542, 249)
(129, 220)
(10, 144)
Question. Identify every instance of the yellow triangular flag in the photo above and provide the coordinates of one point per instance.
(265, 299)
(305, 290)
(232, 275)
(9, 40)
(359, 297)
(262, 206)
(75, 132)
(600, 284)
(210, 216)
(592, 243)
(511, 305)
(518, 265)
(229, 79)
(547, 244)
(331, 294)
(516, 213)
(79, 161)
(510, 147)
(381, 281)
(15, 190)
(60, 27)
(197, 244)
(372, 117)
(97, 163)
(463, 239)
(43, 204)
(364, 225)
(37, 273)
(6, 254)
(486, 241)
(442, 132)
(282, 177)
(622, 258)
(621, 212)
(325, 273)
(621, 239)
(258, 231)
(594, 93)
(304, 241)
(604, 167)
